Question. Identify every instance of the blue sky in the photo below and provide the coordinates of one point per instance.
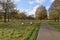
(30, 6)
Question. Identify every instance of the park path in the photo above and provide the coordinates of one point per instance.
(46, 32)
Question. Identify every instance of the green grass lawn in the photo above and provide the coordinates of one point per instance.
(17, 31)
(55, 25)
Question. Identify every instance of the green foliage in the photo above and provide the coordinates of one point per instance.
(17, 31)
(55, 25)
(32, 35)
(35, 33)
(30, 17)
(21, 15)
(54, 11)
(41, 13)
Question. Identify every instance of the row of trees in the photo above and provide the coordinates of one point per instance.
(8, 11)
(54, 10)
(23, 16)
(40, 14)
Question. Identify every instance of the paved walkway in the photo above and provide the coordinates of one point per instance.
(46, 32)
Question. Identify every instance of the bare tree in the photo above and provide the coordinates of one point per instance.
(8, 7)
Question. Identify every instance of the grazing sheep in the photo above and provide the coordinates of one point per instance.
(22, 23)
(31, 23)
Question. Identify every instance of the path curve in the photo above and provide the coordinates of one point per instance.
(46, 32)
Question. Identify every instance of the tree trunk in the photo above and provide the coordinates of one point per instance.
(4, 17)
(8, 17)
(55, 19)
(58, 17)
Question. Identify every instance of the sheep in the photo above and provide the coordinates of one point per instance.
(22, 23)
(31, 23)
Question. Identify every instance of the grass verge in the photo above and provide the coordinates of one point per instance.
(32, 35)
(56, 25)
(17, 31)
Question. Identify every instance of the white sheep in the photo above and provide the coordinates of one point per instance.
(22, 23)
(31, 22)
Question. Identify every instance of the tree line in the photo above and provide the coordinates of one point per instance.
(9, 12)
(54, 11)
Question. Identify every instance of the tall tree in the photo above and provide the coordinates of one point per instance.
(54, 10)
(41, 13)
(8, 7)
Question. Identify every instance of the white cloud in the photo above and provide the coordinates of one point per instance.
(32, 12)
(23, 10)
(17, 0)
(47, 7)
(52, 0)
(37, 1)
(31, 2)
(40, 1)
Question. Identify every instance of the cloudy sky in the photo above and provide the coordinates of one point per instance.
(31, 5)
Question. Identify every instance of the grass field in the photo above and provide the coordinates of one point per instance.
(55, 25)
(17, 31)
